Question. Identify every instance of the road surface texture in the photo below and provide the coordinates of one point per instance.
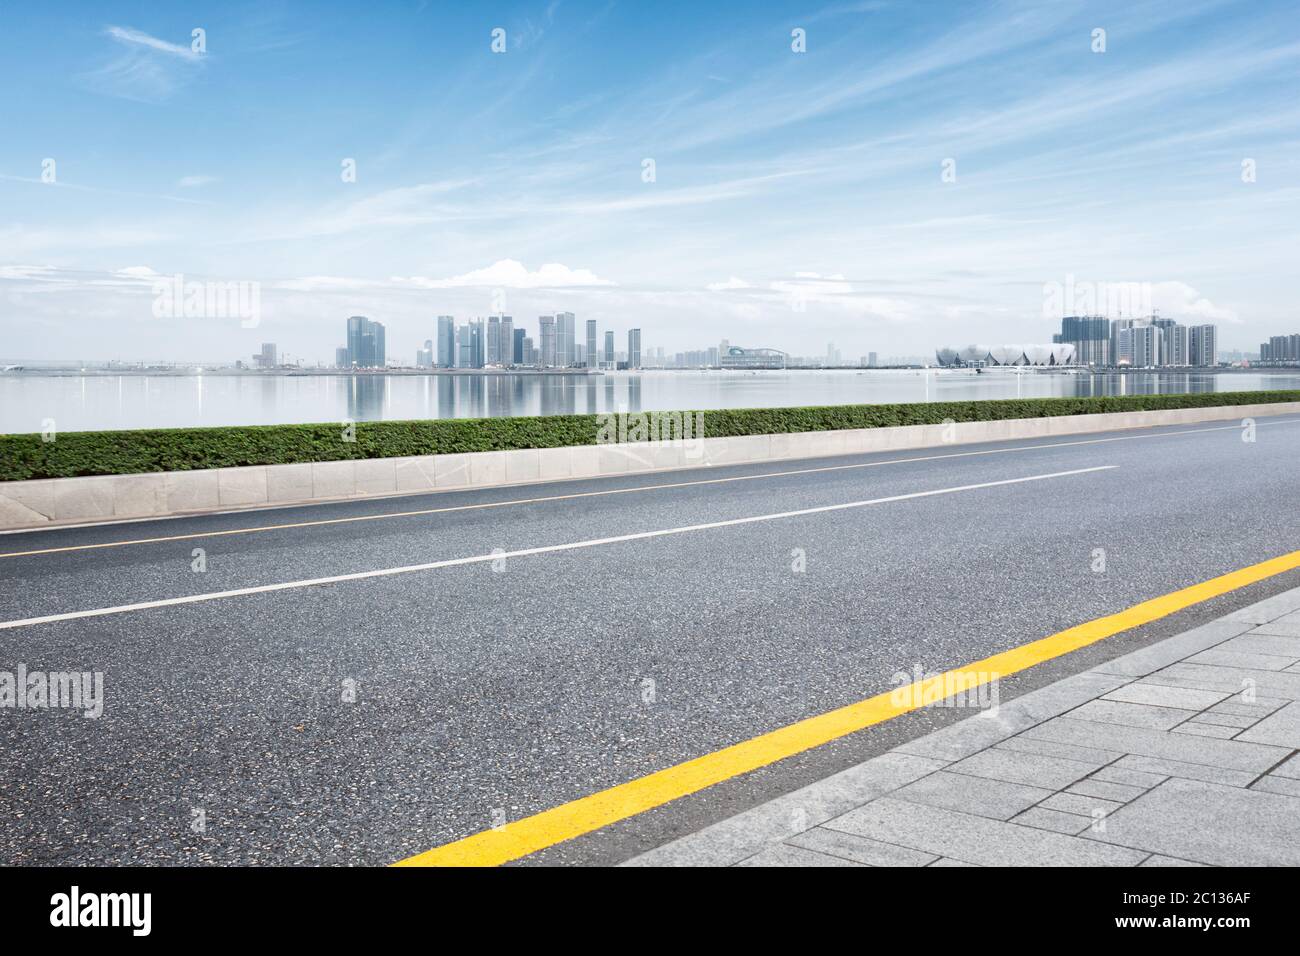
(1184, 753)
(364, 720)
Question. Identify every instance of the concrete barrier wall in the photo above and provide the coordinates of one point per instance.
(56, 501)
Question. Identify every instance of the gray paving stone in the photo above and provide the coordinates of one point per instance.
(783, 855)
(1217, 731)
(859, 849)
(1166, 652)
(1231, 680)
(1258, 642)
(1288, 629)
(1272, 784)
(1130, 778)
(1108, 790)
(1282, 728)
(1224, 720)
(1131, 715)
(948, 861)
(1259, 662)
(1155, 859)
(974, 839)
(1084, 806)
(1269, 609)
(1289, 769)
(988, 798)
(1262, 707)
(1159, 695)
(1034, 770)
(1044, 819)
(1208, 823)
(1226, 754)
(732, 840)
(1088, 755)
(1187, 771)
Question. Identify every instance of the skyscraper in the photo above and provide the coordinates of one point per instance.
(447, 341)
(609, 348)
(633, 348)
(507, 340)
(1147, 345)
(546, 340)
(1203, 346)
(1090, 336)
(565, 353)
(519, 356)
(593, 358)
(366, 343)
(493, 356)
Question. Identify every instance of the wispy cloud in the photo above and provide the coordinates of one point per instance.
(146, 69)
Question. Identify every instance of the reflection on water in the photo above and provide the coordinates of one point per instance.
(78, 403)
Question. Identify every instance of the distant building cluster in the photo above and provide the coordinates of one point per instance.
(1150, 342)
(1280, 350)
(494, 342)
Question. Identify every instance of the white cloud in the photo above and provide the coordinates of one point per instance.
(132, 37)
(512, 274)
(731, 283)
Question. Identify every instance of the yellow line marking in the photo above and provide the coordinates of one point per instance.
(596, 494)
(525, 552)
(587, 814)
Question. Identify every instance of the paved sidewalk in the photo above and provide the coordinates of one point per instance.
(1183, 753)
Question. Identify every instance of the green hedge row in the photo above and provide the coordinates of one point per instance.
(182, 449)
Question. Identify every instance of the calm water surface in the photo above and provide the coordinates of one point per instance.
(79, 403)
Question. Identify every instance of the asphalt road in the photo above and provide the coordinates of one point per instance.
(491, 690)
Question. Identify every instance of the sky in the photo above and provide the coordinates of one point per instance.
(919, 174)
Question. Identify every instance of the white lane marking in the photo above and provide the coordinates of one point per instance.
(525, 552)
(661, 486)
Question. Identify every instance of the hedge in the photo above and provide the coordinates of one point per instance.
(76, 454)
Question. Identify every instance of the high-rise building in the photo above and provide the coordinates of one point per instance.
(266, 357)
(593, 358)
(366, 347)
(507, 340)
(565, 352)
(424, 356)
(547, 340)
(1146, 345)
(493, 356)
(1121, 345)
(1090, 336)
(1280, 349)
(446, 341)
(519, 354)
(1176, 344)
(1203, 346)
(633, 348)
(341, 357)
(871, 360)
(528, 352)
(609, 348)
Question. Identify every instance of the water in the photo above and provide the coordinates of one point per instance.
(83, 402)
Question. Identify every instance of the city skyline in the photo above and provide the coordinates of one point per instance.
(898, 184)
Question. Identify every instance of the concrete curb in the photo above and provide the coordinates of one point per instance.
(62, 501)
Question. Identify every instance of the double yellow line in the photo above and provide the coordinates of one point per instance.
(588, 814)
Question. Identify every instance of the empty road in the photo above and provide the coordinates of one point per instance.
(358, 682)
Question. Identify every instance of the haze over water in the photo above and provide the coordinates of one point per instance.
(91, 402)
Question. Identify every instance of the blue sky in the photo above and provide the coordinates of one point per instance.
(797, 197)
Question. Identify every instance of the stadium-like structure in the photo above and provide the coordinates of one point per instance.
(987, 355)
